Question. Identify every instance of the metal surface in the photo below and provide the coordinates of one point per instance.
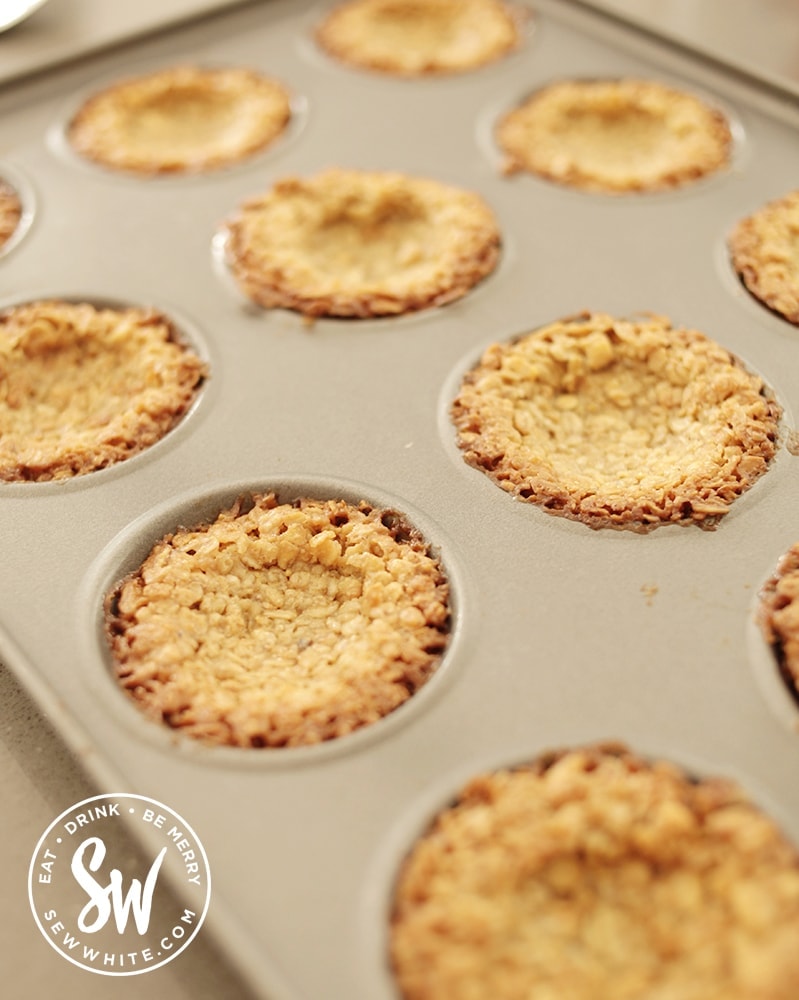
(65, 30)
(564, 634)
(756, 36)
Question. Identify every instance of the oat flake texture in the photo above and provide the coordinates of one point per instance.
(765, 253)
(420, 37)
(280, 624)
(84, 387)
(594, 875)
(617, 423)
(357, 244)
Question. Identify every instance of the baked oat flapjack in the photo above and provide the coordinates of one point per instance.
(594, 874)
(280, 624)
(778, 617)
(182, 119)
(618, 423)
(355, 243)
(84, 387)
(420, 37)
(764, 248)
(10, 212)
(615, 136)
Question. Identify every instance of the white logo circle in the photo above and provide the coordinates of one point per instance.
(103, 906)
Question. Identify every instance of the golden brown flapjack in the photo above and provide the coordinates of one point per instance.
(355, 243)
(280, 624)
(595, 874)
(615, 136)
(420, 37)
(183, 119)
(83, 387)
(618, 423)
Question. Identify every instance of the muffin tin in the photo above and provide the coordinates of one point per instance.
(561, 635)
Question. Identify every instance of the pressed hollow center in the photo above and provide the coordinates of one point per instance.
(80, 383)
(612, 135)
(371, 245)
(632, 420)
(181, 117)
(412, 22)
(414, 37)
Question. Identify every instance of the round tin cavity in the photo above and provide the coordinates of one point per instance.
(594, 872)
(286, 616)
(87, 384)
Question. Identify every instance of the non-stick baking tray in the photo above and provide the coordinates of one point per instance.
(562, 635)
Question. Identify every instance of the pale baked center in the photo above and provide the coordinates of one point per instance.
(615, 138)
(430, 22)
(182, 120)
(429, 28)
(626, 425)
(388, 241)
